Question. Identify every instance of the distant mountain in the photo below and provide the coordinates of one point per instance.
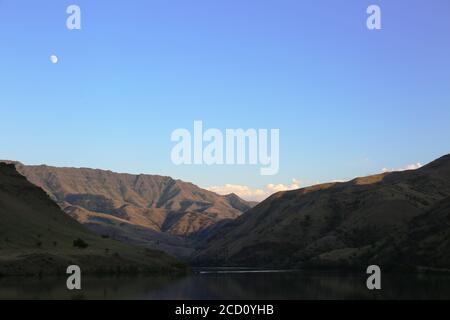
(399, 219)
(36, 237)
(153, 211)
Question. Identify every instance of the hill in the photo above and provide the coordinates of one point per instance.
(344, 224)
(36, 237)
(148, 210)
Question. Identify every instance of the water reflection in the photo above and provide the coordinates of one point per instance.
(233, 285)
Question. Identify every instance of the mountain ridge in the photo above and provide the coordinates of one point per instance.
(123, 205)
(37, 238)
(333, 224)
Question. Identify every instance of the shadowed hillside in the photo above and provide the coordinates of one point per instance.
(398, 219)
(36, 237)
(424, 242)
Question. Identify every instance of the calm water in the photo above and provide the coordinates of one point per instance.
(233, 285)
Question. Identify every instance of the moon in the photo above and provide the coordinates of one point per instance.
(54, 59)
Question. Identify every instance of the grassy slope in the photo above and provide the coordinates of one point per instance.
(330, 225)
(146, 210)
(36, 237)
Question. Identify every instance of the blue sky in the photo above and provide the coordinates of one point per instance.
(348, 101)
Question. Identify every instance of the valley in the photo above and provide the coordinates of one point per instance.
(398, 220)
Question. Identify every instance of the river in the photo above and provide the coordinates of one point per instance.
(220, 284)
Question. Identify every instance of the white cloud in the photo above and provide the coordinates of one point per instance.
(251, 194)
(413, 166)
(282, 187)
(337, 181)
